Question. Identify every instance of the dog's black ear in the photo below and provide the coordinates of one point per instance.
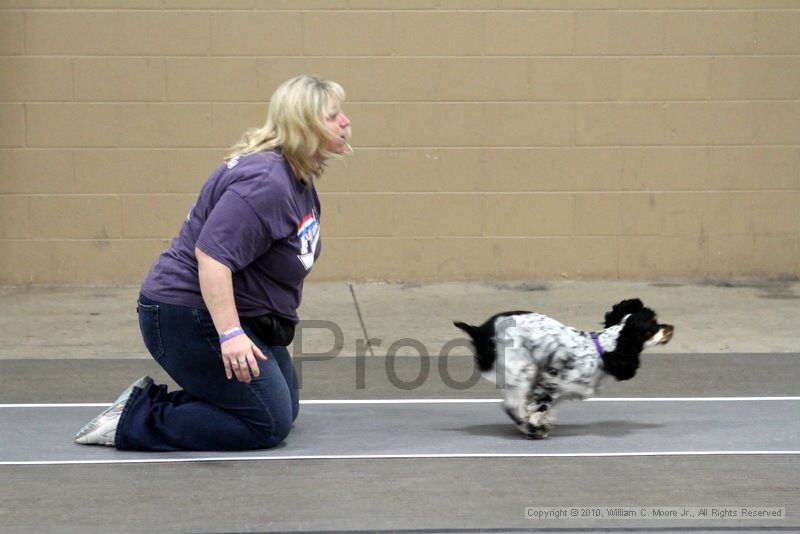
(623, 361)
(621, 309)
(619, 365)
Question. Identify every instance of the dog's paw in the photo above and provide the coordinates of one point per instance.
(537, 425)
(535, 432)
(537, 418)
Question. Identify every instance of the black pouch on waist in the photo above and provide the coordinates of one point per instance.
(271, 329)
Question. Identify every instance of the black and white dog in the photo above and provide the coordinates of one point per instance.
(539, 361)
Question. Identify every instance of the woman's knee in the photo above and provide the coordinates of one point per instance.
(278, 432)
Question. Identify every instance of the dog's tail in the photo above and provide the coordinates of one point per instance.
(484, 345)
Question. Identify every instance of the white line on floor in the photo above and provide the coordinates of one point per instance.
(690, 399)
(450, 401)
(401, 457)
(593, 399)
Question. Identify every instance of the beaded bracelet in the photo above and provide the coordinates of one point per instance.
(228, 334)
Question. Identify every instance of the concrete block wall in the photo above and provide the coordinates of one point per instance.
(509, 139)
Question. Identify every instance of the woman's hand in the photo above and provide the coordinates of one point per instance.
(216, 284)
(239, 357)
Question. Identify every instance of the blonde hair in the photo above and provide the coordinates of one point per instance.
(296, 125)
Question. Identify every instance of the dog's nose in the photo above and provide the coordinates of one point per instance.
(666, 332)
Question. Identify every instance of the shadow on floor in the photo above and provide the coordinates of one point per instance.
(611, 429)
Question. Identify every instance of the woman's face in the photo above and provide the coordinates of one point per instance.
(338, 123)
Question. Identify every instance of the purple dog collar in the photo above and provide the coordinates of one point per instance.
(600, 350)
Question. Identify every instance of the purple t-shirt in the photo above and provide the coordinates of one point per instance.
(254, 216)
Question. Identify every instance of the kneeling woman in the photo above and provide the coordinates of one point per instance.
(218, 307)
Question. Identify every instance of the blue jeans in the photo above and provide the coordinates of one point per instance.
(211, 412)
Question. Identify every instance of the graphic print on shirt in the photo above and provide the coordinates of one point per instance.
(308, 235)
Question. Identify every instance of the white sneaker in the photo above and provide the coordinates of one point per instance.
(141, 383)
(103, 429)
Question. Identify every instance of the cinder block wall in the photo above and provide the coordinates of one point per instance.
(519, 139)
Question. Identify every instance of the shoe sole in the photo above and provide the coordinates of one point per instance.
(141, 383)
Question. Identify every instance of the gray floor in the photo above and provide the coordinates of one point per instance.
(422, 466)
(333, 431)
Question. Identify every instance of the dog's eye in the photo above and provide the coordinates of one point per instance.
(552, 371)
